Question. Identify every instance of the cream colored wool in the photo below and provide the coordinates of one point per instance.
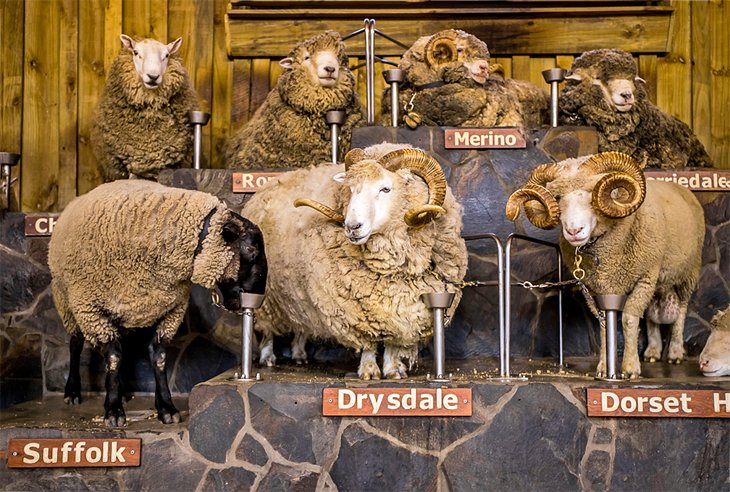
(122, 255)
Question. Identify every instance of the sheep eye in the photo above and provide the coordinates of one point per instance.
(385, 189)
(135, 52)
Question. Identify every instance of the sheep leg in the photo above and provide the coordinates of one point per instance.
(166, 411)
(675, 354)
(298, 348)
(368, 366)
(653, 350)
(72, 391)
(113, 409)
(267, 357)
(393, 366)
(630, 366)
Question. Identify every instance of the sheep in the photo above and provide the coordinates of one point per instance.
(636, 238)
(715, 357)
(140, 124)
(356, 272)
(449, 82)
(289, 129)
(603, 89)
(124, 256)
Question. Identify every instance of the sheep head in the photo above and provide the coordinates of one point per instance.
(580, 194)
(612, 71)
(715, 357)
(150, 58)
(322, 57)
(378, 192)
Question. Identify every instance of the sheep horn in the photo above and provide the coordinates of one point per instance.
(427, 168)
(543, 214)
(321, 208)
(441, 48)
(624, 174)
(353, 156)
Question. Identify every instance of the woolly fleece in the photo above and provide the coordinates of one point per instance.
(289, 129)
(123, 256)
(139, 130)
(652, 137)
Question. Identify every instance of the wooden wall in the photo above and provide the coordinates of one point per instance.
(54, 56)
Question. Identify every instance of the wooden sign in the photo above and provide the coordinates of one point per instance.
(484, 138)
(397, 402)
(40, 224)
(642, 402)
(705, 180)
(52, 453)
(251, 182)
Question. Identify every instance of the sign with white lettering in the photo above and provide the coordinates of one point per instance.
(400, 402)
(705, 180)
(642, 402)
(251, 182)
(40, 224)
(484, 138)
(50, 453)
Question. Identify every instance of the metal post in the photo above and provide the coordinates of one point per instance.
(438, 301)
(249, 302)
(394, 76)
(8, 160)
(335, 118)
(611, 304)
(198, 119)
(553, 77)
(370, 69)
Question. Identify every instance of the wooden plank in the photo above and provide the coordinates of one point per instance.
(521, 67)
(652, 402)
(539, 36)
(720, 84)
(647, 65)
(506, 63)
(40, 166)
(537, 66)
(136, 18)
(259, 84)
(222, 85)
(674, 71)
(158, 20)
(241, 94)
(86, 452)
(68, 107)
(397, 402)
(702, 74)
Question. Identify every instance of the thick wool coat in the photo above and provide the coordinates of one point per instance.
(124, 256)
(139, 130)
(323, 286)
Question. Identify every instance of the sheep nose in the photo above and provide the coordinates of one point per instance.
(329, 69)
(353, 227)
(153, 78)
(703, 363)
(627, 95)
(574, 231)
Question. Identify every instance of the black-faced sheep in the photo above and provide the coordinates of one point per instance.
(140, 125)
(603, 89)
(715, 357)
(289, 129)
(636, 238)
(449, 83)
(124, 256)
(355, 273)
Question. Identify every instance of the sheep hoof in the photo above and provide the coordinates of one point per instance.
(115, 418)
(72, 399)
(169, 417)
(369, 371)
(301, 362)
(650, 359)
(674, 361)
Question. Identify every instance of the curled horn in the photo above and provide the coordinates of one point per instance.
(441, 48)
(321, 208)
(427, 168)
(353, 156)
(621, 192)
(541, 207)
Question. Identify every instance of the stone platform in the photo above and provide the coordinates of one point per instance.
(271, 435)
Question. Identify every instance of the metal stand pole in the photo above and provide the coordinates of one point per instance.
(249, 302)
(611, 304)
(335, 118)
(438, 301)
(394, 76)
(8, 160)
(553, 77)
(198, 119)
(370, 69)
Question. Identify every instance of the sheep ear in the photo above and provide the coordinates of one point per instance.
(231, 231)
(174, 46)
(339, 177)
(127, 42)
(287, 63)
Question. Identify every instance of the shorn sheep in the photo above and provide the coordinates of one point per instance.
(124, 256)
(385, 229)
(140, 125)
(449, 82)
(715, 357)
(603, 90)
(289, 129)
(636, 238)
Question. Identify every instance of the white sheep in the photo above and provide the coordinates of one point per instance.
(636, 238)
(355, 273)
(124, 256)
(449, 82)
(140, 125)
(715, 357)
(603, 90)
(289, 129)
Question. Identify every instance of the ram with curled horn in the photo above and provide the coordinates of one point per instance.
(352, 255)
(638, 238)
